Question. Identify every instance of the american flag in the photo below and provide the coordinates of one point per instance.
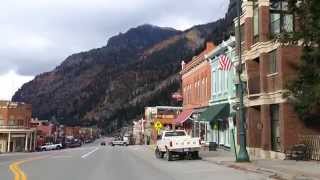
(225, 63)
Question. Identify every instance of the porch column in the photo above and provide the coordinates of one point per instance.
(205, 131)
(34, 140)
(199, 129)
(30, 143)
(26, 142)
(9, 139)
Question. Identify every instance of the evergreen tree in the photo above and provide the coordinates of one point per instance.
(306, 87)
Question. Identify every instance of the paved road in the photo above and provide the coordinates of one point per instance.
(94, 162)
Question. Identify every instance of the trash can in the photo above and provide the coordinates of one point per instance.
(212, 146)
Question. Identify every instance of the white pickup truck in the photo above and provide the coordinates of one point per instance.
(120, 141)
(50, 146)
(173, 143)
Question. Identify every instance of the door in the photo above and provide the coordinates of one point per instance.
(275, 128)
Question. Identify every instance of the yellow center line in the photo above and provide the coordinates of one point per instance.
(16, 170)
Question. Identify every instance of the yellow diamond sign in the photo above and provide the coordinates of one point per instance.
(158, 125)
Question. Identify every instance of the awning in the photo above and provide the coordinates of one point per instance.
(183, 116)
(215, 112)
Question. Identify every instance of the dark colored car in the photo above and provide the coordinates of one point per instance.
(73, 143)
(103, 143)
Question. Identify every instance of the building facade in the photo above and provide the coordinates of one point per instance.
(271, 122)
(220, 113)
(16, 134)
(162, 114)
(196, 92)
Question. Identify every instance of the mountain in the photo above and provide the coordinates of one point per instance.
(111, 85)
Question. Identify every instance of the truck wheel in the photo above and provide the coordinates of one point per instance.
(158, 153)
(169, 155)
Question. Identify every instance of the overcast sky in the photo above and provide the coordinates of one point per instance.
(37, 35)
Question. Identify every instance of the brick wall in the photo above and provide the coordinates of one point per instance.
(21, 114)
(197, 70)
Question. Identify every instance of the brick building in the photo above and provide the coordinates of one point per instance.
(15, 131)
(272, 124)
(196, 90)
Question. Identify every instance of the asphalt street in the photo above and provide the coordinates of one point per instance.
(95, 162)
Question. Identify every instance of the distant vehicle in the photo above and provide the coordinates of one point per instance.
(50, 146)
(73, 143)
(172, 143)
(120, 142)
(88, 140)
(103, 143)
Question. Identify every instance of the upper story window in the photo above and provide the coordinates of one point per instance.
(255, 21)
(280, 19)
(273, 62)
(1, 120)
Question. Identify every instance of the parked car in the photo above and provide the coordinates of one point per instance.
(177, 143)
(103, 143)
(50, 146)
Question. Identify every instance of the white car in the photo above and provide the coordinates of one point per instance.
(120, 142)
(50, 146)
(177, 143)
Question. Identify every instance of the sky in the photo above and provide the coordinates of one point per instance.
(37, 35)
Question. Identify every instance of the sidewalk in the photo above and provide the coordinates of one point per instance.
(274, 169)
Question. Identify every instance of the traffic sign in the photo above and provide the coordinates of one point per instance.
(158, 125)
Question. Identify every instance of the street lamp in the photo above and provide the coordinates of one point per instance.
(243, 155)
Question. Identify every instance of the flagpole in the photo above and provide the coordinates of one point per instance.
(243, 155)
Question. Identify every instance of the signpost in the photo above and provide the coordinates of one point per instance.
(158, 126)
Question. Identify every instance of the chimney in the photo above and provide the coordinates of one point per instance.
(183, 64)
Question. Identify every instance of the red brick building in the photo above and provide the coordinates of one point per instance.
(272, 124)
(196, 91)
(15, 131)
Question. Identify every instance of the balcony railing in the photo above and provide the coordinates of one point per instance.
(12, 127)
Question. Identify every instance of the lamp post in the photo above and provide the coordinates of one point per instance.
(243, 153)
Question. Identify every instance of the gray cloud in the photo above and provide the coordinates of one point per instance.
(38, 35)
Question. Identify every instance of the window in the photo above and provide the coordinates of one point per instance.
(1, 120)
(280, 19)
(227, 81)
(175, 133)
(206, 87)
(11, 122)
(222, 81)
(218, 81)
(255, 22)
(275, 23)
(213, 80)
(273, 62)
(203, 90)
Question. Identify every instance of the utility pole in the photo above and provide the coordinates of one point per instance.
(243, 155)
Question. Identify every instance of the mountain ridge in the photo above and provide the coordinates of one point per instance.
(111, 85)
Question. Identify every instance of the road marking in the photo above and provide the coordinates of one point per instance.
(88, 154)
(16, 170)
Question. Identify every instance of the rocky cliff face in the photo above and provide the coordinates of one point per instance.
(110, 86)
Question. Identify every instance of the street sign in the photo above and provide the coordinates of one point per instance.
(158, 125)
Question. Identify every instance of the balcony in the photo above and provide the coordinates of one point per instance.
(12, 127)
